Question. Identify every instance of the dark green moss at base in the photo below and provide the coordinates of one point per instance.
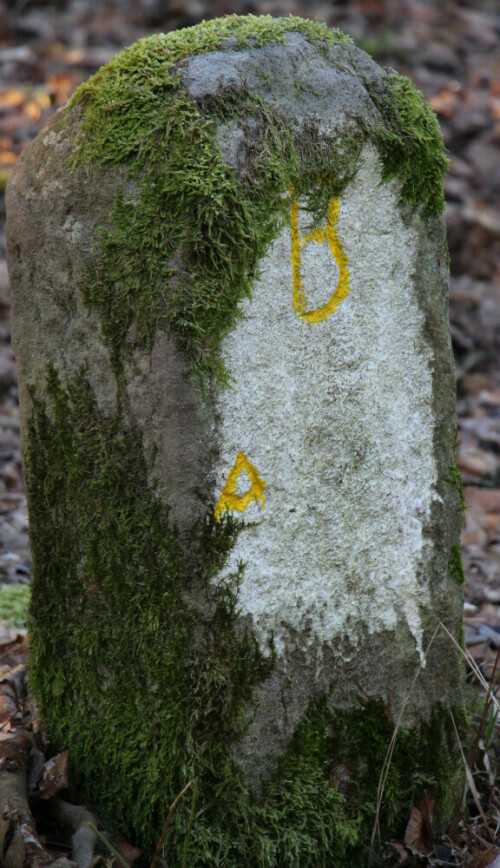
(191, 207)
(164, 689)
(146, 689)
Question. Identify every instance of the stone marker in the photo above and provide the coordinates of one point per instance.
(237, 398)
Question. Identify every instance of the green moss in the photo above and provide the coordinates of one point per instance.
(411, 145)
(149, 65)
(455, 566)
(184, 251)
(193, 202)
(149, 690)
(161, 686)
(455, 480)
(14, 601)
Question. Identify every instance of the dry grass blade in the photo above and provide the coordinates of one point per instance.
(473, 753)
(190, 825)
(390, 750)
(109, 846)
(168, 820)
(473, 665)
(472, 783)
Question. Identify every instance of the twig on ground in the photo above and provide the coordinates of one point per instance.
(19, 840)
(81, 823)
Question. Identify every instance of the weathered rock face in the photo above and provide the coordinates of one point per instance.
(237, 396)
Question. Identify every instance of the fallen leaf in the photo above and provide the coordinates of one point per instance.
(444, 103)
(488, 858)
(8, 158)
(126, 850)
(11, 98)
(418, 835)
(32, 110)
(61, 86)
(54, 776)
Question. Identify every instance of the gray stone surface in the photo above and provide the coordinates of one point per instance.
(297, 77)
(53, 216)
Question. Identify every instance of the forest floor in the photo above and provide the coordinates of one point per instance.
(451, 51)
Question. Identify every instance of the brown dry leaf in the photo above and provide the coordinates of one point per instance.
(11, 98)
(444, 103)
(13, 651)
(8, 158)
(61, 85)
(126, 850)
(476, 461)
(32, 110)
(492, 398)
(486, 858)
(487, 499)
(418, 834)
(54, 776)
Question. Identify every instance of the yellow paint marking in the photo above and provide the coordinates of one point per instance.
(229, 499)
(329, 234)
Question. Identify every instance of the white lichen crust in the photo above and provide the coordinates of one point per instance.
(337, 418)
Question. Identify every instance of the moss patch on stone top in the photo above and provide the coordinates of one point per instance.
(411, 145)
(151, 61)
(185, 250)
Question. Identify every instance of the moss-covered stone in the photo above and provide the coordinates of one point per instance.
(144, 665)
(411, 146)
(160, 682)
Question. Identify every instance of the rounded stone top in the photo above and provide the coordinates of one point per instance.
(208, 131)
